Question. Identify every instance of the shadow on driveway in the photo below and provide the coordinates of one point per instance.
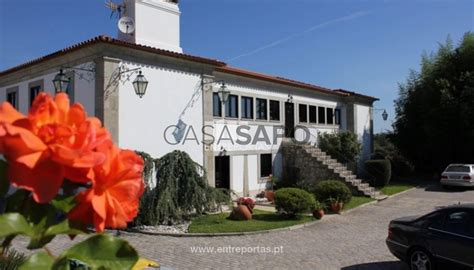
(393, 265)
(438, 188)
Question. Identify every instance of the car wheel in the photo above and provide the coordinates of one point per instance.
(420, 260)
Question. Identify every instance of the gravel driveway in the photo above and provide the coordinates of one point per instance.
(354, 240)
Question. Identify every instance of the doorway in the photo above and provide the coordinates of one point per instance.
(222, 172)
(289, 120)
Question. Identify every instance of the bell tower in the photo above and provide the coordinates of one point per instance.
(157, 23)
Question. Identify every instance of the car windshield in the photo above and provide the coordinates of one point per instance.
(458, 168)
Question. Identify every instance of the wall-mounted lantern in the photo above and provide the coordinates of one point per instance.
(223, 92)
(61, 82)
(140, 84)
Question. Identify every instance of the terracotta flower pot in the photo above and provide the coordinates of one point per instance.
(318, 214)
(270, 195)
(241, 212)
(337, 207)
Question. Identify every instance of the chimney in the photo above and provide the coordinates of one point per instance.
(157, 23)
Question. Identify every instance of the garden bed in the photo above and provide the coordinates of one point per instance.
(261, 221)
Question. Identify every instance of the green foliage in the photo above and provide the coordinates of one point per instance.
(385, 149)
(181, 191)
(379, 170)
(293, 201)
(434, 123)
(342, 146)
(261, 220)
(101, 251)
(11, 259)
(38, 261)
(332, 189)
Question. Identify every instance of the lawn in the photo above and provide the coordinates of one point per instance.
(396, 187)
(261, 220)
(357, 201)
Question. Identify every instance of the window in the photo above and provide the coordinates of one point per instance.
(321, 115)
(247, 107)
(458, 168)
(330, 116)
(262, 109)
(457, 222)
(34, 91)
(232, 107)
(12, 97)
(337, 116)
(303, 113)
(275, 110)
(312, 114)
(265, 165)
(70, 86)
(216, 105)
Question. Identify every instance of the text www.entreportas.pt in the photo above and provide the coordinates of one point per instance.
(237, 250)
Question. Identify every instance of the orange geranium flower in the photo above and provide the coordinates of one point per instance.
(114, 198)
(55, 141)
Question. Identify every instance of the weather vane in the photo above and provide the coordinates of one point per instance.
(117, 9)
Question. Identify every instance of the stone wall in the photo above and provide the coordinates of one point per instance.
(301, 169)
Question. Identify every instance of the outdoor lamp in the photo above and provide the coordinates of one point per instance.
(223, 93)
(384, 115)
(61, 82)
(140, 84)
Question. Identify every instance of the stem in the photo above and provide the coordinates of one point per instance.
(6, 243)
(48, 251)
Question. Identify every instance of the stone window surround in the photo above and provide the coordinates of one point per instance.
(32, 84)
(308, 124)
(13, 89)
(239, 95)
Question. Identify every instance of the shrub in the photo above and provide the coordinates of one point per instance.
(292, 201)
(181, 191)
(342, 146)
(332, 189)
(379, 171)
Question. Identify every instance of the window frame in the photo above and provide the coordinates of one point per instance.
(261, 174)
(323, 115)
(35, 84)
(228, 107)
(219, 104)
(243, 107)
(270, 110)
(329, 116)
(315, 114)
(305, 111)
(258, 112)
(14, 90)
(337, 116)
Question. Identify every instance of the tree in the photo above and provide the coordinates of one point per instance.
(342, 146)
(434, 123)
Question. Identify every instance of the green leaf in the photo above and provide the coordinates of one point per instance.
(38, 261)
(64, 203)
(13, 224)
(4, 183)
(100, 251)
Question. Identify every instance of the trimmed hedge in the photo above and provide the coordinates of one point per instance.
(379, 171)
(332, 189)
(293, 201)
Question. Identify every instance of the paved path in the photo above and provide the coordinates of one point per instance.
(355, 240)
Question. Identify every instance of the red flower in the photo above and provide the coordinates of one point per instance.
(55, 141)
(114, 197)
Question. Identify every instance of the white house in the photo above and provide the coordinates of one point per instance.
(237, 141)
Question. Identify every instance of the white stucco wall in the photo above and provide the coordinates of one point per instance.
(84, 89)
(237, 174)
(363, 117)
(143, 122)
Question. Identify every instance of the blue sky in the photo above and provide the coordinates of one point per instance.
(367, 46)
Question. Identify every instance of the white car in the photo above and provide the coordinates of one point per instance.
(461, 175)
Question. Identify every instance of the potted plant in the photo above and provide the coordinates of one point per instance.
(269, 192)
(336, 205)
(318, 211)
(243, 210)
